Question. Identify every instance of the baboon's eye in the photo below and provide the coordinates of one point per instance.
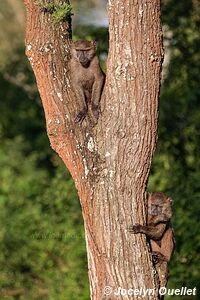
(155, 210)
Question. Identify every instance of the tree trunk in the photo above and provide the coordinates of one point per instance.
(109, 162)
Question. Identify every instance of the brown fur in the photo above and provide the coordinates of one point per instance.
(159, 232)
(87, 77)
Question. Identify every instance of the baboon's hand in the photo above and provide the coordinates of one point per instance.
(80, 116)
(135, 228)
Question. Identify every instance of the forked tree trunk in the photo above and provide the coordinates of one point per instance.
(109, 162)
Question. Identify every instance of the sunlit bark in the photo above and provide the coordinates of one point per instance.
(109, 162)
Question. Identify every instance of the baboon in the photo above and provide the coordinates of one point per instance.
(87, 77)
(159, 232)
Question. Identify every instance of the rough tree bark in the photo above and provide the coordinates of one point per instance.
(109, 162)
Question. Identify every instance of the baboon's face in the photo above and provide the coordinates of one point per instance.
(159, 205)
(84, 51)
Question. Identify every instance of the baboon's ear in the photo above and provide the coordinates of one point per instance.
(72, 43)
(94, 43)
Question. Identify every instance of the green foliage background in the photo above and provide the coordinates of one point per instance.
(42, 246)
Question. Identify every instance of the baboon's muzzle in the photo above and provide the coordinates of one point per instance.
(83, 59)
